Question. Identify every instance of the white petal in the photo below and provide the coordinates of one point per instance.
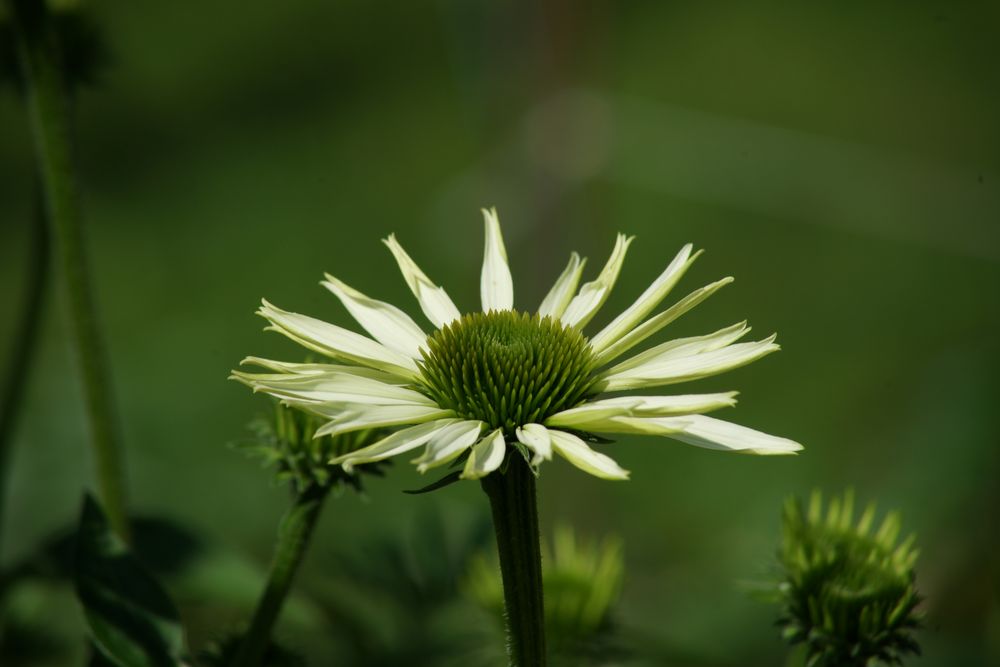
(497, 286)
(391, 445)
(370, 416)
(690, 368)
(486, 456)
(640, 425)
(337, 342)
(434, 301)
(448, 444)
(593, 294)
(657, 322)
(536, 438)
(683, 347)
(590, 415)
(559, 296)
(597, 415)
(576, 451)
(712, 433)
(386, 323)
(332, 387)
(319, 369)
(647, 301)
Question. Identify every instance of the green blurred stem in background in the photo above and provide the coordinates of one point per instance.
(515, 520)
(293, 539)
(48, 107)
(25, 343)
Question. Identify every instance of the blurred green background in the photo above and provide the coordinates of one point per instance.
(841, 160)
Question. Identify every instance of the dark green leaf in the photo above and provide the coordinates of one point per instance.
(132, 620)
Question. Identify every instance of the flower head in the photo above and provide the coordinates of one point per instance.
(848, 592)
(484, 383)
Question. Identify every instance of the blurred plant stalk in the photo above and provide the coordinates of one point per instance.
(22, 351)
(296, 529)
(48, 105)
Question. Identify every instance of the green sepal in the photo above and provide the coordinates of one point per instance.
(447, 480)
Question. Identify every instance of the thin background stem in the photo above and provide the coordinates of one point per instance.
(515, 520)
(48, 107)
(293, 539)
(22, 352)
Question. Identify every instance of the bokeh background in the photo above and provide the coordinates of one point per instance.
(841, 160)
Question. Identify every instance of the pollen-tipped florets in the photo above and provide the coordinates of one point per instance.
(507, 368)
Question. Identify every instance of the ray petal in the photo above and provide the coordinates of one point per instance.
(593, 294)
(497, 286)
(385, 322)
(434, 301)
(486, 456)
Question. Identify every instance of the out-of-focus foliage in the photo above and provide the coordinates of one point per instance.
(396, 602)
(582, 581)
(82, 50)
(848, 590)
(840, 160)
(132, 620)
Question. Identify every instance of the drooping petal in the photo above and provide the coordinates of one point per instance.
(391, 445)
(593, 294)
(657, 322)
(622, 425)
(486, 456)
(576, 451)
(689, 368)
(536, 438)
(449, 443)
(647, 301)
(598, 416)
(497, 286)
(702, 431)
(385, 322)
(344, 420)
(337, 342)
(434, 301)
(318, 369)
(555, 302)
(683, 347)
(332, 387)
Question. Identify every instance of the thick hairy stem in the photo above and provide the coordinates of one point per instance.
(515, 520)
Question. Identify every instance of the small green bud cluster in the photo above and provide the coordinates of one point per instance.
(287, 440)
(848, 593)
(507, 368)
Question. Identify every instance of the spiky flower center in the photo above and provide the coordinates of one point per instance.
(507, 368)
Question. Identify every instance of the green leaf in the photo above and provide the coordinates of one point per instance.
(132, 620)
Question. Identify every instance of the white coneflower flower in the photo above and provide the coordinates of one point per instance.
(484, 382)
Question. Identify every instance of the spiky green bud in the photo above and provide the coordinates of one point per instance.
(286, 439)
(507, 368)
(848, 593)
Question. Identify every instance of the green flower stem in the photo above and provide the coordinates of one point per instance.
(293, 538)
(515, 520)
(25, 342)
(48, 106)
